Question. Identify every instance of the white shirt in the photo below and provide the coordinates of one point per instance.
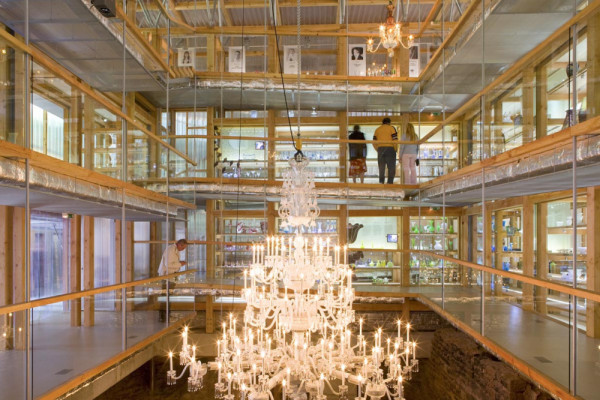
(169, 263)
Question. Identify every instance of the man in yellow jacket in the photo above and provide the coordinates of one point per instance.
(386, 152)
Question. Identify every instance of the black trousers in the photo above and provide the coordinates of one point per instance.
(386, 157)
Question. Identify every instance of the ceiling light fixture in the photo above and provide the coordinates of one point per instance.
(390, 34)
(295, 331)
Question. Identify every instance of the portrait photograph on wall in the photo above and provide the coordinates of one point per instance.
(290, 59)
(237, 59)
(186, 57)
(414, 62)
(357, 60)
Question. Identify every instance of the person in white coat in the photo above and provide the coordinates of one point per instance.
(170, 261)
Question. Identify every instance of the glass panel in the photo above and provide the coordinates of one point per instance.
(12, 355)
(533, 337)
(72, 337)
(146, 310)
(588, 349)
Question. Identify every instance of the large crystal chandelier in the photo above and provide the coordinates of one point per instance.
(296, 330)
(390, 35)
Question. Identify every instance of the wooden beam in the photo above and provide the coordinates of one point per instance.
(437, 6)
(226, 14)
(88, 270)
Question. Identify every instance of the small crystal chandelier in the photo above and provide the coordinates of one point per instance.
(390, 35)
(295, 333)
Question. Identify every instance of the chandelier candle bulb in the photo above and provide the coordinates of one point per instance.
(360, 323)
(414, 351)
(170, 361)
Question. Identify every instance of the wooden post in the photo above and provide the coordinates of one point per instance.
(528, 105)
(210, 53)
(528, 253)
(271, 218)
(210, 237)
(402, 60)
(593, 260)
(463, 248)
(498, 141)
(342, 56)
(75, 267)
(210, 316)
(343, 134)
(19, 274)
(593, 66)
(487, 246)
(6, 255)
(541, 100)
(210, 143)
(271, 161)
(541, 293)
(272, 56)
(129, 268)
(88, 133)
(88, 269)
(405, 235)
(343, 225)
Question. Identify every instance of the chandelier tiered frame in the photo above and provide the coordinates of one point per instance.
(295, 334)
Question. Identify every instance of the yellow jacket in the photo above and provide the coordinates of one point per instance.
(385, 133)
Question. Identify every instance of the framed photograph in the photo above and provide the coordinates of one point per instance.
(237, 59)
(414, 61)
(186, 57)
(357, 59)
(392, 238)
(259, 145)
(290, 59)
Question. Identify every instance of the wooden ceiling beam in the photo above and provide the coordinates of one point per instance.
(232, 4)
(354, 30)
(430, 17)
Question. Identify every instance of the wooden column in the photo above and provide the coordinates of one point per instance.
(6, 255)
(593, 260)
(210, 316)
(210, 238)
(487, 246)
(343, 134)
(19, 274)
(271, 218)
(75, 129)
(88, 269)
(593, 66)
(129, 267)
(19, 100)
(487, 134)
(528, 105)
(405, 235)
(402, 60)
(272, 56)
(542, 257)
(210, 143)
(541, 100)
(343, 225)
(6, 271)
(210, 53)
(88, 133)
(463, 248)
(271, 162)
(75, 267)
(528, 251)
(498, 142)
(342, 56)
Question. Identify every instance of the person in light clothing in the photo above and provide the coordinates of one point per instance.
(170, 261)
(409, 155)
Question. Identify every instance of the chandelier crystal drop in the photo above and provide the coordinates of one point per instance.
(296, 330)
(390, 35)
